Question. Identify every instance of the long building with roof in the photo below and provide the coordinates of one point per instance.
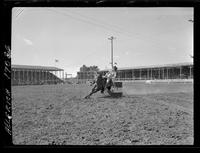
(35, 75)
(153, 72)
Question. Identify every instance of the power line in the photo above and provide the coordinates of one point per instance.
(19, 13)
(119, 30)
(85, 21)
(110, 28)
(102, 25)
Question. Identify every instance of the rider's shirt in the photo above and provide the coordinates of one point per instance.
(111, 74)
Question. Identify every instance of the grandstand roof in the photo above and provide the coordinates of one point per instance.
(153, 66)
(34, 67)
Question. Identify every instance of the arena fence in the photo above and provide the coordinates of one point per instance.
(182, 72)
(36, 75)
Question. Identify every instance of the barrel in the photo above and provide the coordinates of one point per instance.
(117, 90)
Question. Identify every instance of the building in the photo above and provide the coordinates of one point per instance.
(154, 72)
(35, 75)
(84, 76)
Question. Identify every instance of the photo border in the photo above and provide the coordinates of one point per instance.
(6, 105)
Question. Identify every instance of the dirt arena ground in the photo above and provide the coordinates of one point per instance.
(147, 114)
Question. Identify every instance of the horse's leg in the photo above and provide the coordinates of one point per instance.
(109, 92)
(94, 90)
(102, 89)
(108, 83)
(89, 94)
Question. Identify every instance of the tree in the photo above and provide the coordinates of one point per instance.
(84, 68)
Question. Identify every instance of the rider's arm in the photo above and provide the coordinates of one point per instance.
(114, 74)
(104, 76)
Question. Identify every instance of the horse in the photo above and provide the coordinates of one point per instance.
(100, 85)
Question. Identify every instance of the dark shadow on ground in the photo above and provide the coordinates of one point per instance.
(112, 97)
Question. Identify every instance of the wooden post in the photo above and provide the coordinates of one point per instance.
(132, 74)
(53, 77)
(180, 72)
(14, 75)
(167, 73)
(63, 75)
(27, 78)
(18, 77)
(48, 78)
(22, 76)
(163, 73)
(35, 76)
(31, 76)
(45, 76)
(40, 76)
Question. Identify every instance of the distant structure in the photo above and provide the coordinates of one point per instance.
(156, 72)
(83, 77)
(36, 75)
(179, 71)
(87, 73)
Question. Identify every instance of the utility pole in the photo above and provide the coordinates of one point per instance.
(111, 38)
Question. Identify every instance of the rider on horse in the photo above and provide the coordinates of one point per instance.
(110, 75)
(103, 82)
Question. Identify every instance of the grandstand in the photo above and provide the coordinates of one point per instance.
(179, 71)
(36, 75)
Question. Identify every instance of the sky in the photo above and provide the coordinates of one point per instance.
(75, 36)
